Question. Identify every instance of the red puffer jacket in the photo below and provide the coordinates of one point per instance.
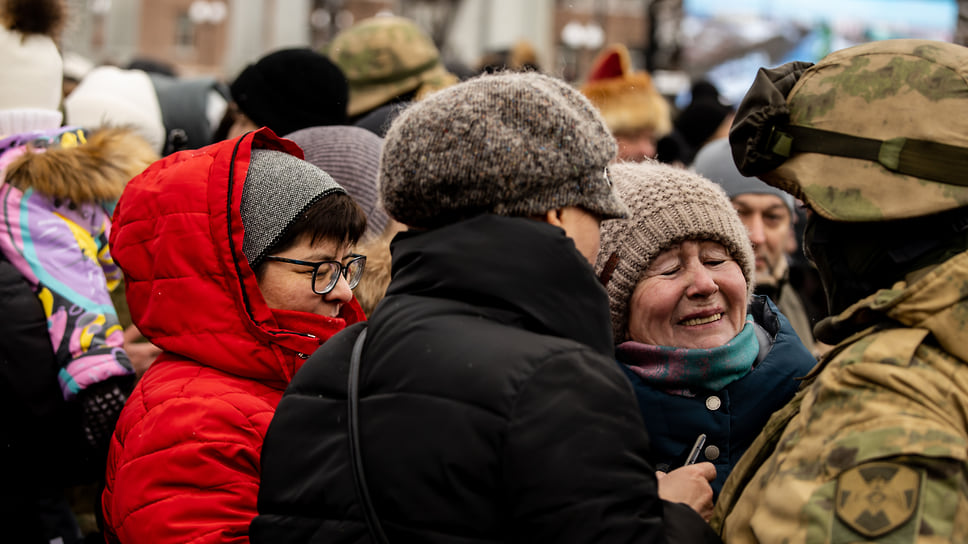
(184, 459)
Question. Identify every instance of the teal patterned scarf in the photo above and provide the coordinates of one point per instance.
(681, 371)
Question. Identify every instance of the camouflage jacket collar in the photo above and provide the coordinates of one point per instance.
(937, 301)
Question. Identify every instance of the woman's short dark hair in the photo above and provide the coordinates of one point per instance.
(333, 217)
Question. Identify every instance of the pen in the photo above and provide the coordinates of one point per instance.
(696, 448)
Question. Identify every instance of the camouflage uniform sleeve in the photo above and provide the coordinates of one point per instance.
(877, 452)
(901, 499)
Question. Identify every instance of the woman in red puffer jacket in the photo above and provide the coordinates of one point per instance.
(238, 260)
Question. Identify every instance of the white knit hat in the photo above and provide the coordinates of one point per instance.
(32, 73)
(76, 66)
(111, 96)
(31, 78)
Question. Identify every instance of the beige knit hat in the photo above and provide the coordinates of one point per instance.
(514, 144)
(668, 205)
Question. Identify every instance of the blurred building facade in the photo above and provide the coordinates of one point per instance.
(221, 36)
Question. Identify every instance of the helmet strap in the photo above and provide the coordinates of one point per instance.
(919, 158)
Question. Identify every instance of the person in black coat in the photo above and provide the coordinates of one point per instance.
(489, 405)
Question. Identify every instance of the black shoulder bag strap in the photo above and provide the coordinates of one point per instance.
(359, 479)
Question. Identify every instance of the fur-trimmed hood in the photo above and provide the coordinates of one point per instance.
(89, 167)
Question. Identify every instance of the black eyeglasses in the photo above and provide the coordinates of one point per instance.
(326, 273)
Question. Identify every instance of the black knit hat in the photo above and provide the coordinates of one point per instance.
(700, 119)
(292, 89)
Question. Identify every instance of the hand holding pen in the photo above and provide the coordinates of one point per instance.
(689, 483)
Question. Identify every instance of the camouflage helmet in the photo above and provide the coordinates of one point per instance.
(874, 132)
(384, 57)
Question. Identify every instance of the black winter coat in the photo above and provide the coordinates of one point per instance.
(44, 443)
(491, 409)
(36, 423)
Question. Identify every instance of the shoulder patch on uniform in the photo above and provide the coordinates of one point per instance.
(877, 498)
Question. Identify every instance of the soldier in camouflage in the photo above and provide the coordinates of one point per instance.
(387, 60)
(874, 447)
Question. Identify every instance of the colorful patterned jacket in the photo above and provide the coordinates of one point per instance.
(57, 194)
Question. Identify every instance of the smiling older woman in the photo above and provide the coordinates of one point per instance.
(705, 356)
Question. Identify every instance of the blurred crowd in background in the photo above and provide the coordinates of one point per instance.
(254, 86)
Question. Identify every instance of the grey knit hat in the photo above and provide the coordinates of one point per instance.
(352, 156)
(668, 205)
(278, 189)
(715, 161)
(516, 144)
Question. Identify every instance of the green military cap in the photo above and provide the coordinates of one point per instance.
(384, 57)
(875, 132)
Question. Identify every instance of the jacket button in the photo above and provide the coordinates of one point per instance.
(713, 403)
(711, 453)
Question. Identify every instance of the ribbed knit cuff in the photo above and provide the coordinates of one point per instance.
(20, 121)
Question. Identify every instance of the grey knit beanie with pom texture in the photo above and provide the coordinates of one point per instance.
(668, 205)
(715, 162)
(514, 144)
(278, 189)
